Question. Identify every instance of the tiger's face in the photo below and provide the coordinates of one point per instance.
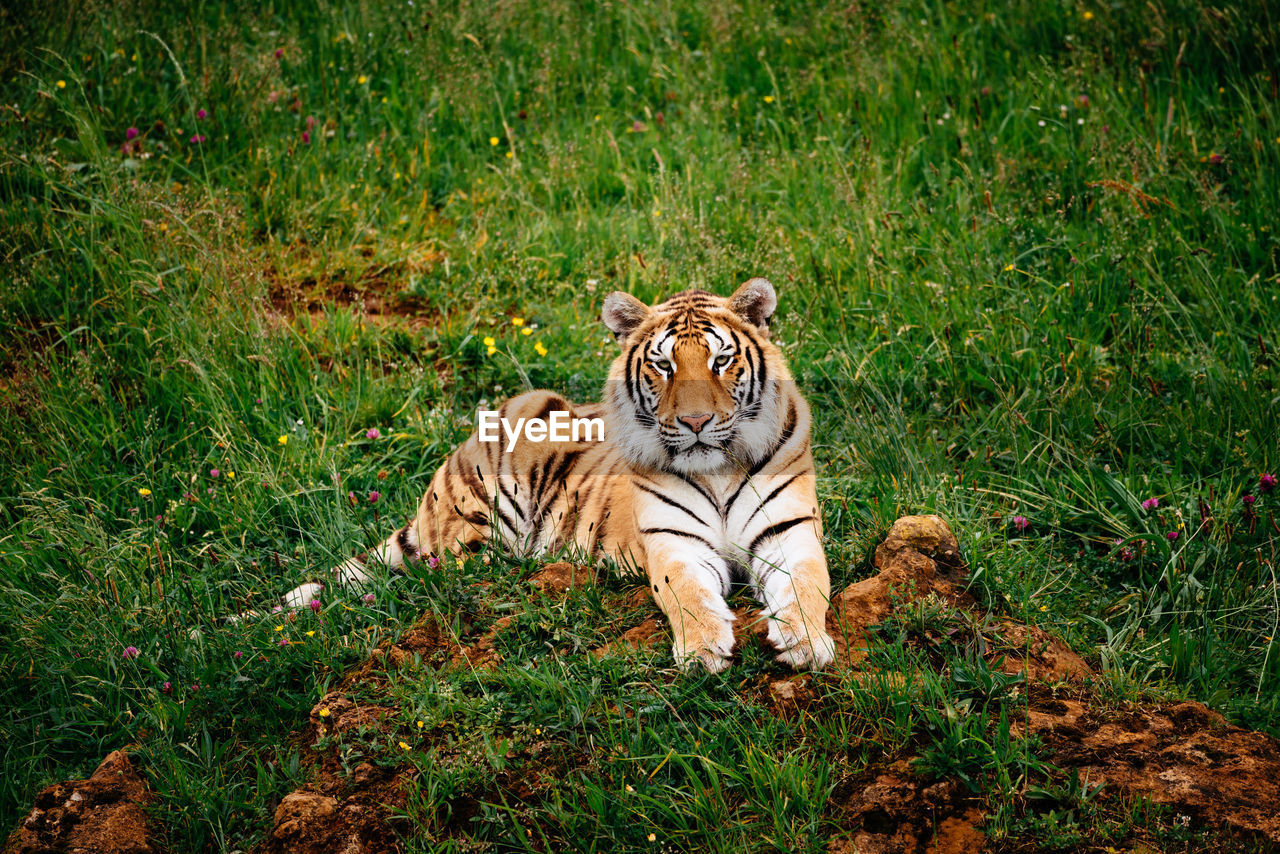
(696, 387)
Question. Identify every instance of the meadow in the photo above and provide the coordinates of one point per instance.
(261, 262)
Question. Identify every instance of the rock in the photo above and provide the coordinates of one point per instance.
(104, 814)
(299, 812)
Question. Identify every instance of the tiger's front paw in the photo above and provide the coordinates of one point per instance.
(708, 644)
(812, 652)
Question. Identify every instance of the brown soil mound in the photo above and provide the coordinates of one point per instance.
(890, 811)
(104, 814)
(1182, 755)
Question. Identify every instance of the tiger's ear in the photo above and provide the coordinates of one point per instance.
(755, 302)
(622, 313)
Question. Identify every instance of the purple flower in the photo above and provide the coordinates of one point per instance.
(167, 687)
(237, 655)
(1266, 482)
(197, 139)
(1151, 504)
(1215, 159)
(279, 53)
(306, 137)
(214, 472)
(277, 609)
(367, 598)
(372, 433)
(311, 122)
(130, 652)
(284, 641)
(131, 133)
(1020, 523)
(315, 605)
(200, 113)
(374, 496)
(433, 561)
(189, 496)
(1126, 554)
(258, 401)
(986, 90)
(637, 126)
(351, 497)
(1248, 500)
(1172, 536)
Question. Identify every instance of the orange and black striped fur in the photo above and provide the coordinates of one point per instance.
(704, 476)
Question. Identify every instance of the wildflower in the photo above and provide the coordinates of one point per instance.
(214, 472)
(284, 641)
(361, 80)
(144, 492)
(306, 137)
(167, 687)
(1020, 522)
(489, 341)
(1088, 16)
(1008, 267)
(404, 746)
(131, 133)
(652, 837)
(637, 126)
(491, 350)
(276, 610)
(1151, 504)
(1215, 159)
(420, 724)
(526, 331)
(433, 561)
(130, 653)
(517, 321)
(629, 789)
(280, 628)
(311, 633)
(1126, 554)
(511, 155)
(231, 475)
(315, 605)
(541, 350)
(373, 433)
(283, 439)
(312, 122)
(188, 496)
(367, 598)
(768, 99)
(62, 84)
(1248, 499)
(374, 496)
(279, 53)
(1266, 482)
(351, 498)
(237, 655)
(201, 113)
(1172, 536)
(197, 139)
(493, 140)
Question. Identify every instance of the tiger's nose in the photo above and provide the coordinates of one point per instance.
(696, 422)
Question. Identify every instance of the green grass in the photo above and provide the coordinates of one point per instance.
(1028, 265)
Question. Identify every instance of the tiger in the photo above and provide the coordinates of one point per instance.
(704, 478)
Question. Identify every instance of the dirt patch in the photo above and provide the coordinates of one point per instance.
(1184, 756)
(1042, 656)
(376, 290)
(647, 634)
(104, 814)
(427, 644)
(919, 556)
(557, 579)
(892, 810)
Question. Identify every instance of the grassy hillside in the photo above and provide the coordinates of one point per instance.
(1029, 272)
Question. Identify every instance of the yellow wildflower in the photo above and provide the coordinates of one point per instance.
(419, 724)
(361, 80)
(526, 331)
(768, 99)
(324, 713)
(511, 155)
(1088, 16)
(493, 140)
(489, 341)
(283, 440)
(231, 474)
(144, 492)
(542, 351)
(652, 837)
(280, 628)
(311, 633)
(62, 84)
(404, 745)
(491, 350)
(517, 321)
(1008, 267)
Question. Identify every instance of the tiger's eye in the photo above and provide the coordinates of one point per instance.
(663, 365)
(723, 361)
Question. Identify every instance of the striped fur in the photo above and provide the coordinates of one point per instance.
(705, 477)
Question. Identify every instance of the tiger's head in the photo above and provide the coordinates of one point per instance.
(698, 387)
